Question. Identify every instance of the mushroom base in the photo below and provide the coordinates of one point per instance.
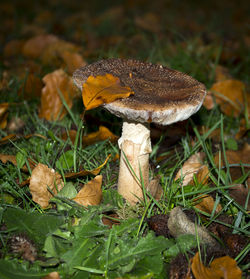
(135, 148)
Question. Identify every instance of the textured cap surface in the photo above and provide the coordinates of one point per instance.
(162, 95)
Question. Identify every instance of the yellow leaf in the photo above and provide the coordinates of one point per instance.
(91, 193)
(41, 178)
(102, 90)
(224, 267)
(103, 134)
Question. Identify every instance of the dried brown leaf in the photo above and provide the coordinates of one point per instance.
(193, 165)
(3, 115)
(206, 204)
(229, 95)
(91, 193)
(87, 172)
(42, 178)
(32, 87)
(13, 48)
(51, 105)
(35, 46)
(224, 267)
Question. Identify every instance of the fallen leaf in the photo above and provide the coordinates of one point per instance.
(229, 94)
(7, 139)
(222, 73)
(103, 134)
(13, 48)
(3, 115)
(70, 134)
(91, 193)
(62, 54)
(193, 165)
(52, 275)
(73, 60)
(41, 178)
(206, 204)
(224, 267)
(110, 220)
(239, 193)
(51, 104)
(209, 102)
(87, 172)
(234, 158)
(4, 158)
(13, 137)
(35, 46)
(102, 90)
(32, 87)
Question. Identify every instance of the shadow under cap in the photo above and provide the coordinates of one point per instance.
(162, 95)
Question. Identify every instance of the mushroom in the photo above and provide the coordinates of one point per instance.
(162, 96)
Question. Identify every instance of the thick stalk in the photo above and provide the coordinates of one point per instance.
(135, 144)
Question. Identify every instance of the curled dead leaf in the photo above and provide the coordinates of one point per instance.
(91, 193)
(224, 267)
(206, 204)
(102, 90)
(3, 115)
(193, 165)
(56, 83)
(103, 134)
(42, 178)
(87, 172)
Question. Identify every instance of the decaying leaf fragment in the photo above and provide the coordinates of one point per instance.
(91, 193)
(224, 267)
(56, 83)
(3, 115)
(229, 94)
(206, 204)
(193, 166)
(102, 90)
(41, 179)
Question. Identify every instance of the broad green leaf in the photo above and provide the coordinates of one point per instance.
(68, 191)
(79, 251)
(21, 157)
(35, 225)
(183, 243)
(123, 251)
(66, 160)
(15, 270)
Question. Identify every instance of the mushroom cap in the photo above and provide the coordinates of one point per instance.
(162, 95)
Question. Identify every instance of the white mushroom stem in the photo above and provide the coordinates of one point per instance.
(135, 144)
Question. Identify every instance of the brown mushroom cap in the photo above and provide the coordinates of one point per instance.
(162, 95)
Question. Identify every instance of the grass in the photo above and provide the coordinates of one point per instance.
(72, 239)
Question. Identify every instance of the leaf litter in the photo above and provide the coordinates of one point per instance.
(69, 233)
